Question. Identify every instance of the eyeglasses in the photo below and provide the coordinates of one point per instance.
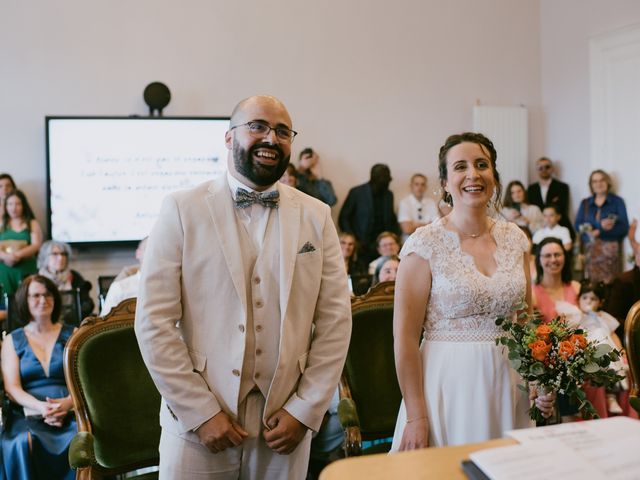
(261, 130)
(544, 167)
(37, 296)
(59, 254)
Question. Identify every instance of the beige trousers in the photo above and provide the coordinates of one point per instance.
(252, 460)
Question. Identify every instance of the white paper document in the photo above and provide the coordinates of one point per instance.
(598, 449)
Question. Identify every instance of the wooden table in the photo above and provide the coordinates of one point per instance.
(426, 464)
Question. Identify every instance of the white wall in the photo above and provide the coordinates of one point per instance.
(365, 81)
(566, 27)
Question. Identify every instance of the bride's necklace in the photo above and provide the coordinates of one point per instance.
(470, 235)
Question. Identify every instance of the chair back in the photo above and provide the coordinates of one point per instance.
(11, 322)
(104, 283)
(632, 341)
(71, 306)
(117, 404)
(370, 371)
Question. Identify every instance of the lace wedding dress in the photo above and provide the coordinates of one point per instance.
(470, 389)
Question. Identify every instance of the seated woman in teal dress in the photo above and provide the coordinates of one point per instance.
(20, 240)
(40, 423)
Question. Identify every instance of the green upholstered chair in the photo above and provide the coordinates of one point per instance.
(117, 405)
(369, 392)
(632, 341)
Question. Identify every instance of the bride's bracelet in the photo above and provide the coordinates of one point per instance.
(416, 419)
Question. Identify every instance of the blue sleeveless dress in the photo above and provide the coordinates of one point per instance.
(50, 445)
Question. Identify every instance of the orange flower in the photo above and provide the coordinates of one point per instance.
(566, 349)
(578, 340)
(543, 332)
(539, 350)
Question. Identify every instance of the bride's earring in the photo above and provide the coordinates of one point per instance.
(447, 198)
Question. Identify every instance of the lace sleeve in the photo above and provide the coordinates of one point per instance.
(519, 238)
(420, 243)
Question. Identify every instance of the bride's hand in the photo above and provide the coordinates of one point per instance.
(415, 435)
(545, 403)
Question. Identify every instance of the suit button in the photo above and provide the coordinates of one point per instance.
(258, 328)
(257, 280)
(258, 351)
(259, 303)
(257, 375)
(241, 328)
(236, 372)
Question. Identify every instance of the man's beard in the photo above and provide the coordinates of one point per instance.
(259, 174)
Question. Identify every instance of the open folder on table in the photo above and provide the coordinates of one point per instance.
(597, 449)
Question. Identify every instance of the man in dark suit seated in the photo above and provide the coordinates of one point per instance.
(549, 191)
(368, 211)
(625, 290)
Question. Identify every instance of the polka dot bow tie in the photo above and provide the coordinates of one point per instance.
(245, 198)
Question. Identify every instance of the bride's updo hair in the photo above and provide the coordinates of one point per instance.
(486, 145)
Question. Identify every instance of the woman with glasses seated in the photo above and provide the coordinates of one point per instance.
(53, 263)
(20, 240)
(40, 423)
(554, 292)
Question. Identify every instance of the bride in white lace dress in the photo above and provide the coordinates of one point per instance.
(457, 276)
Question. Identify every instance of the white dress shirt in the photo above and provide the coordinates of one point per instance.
(254, 217)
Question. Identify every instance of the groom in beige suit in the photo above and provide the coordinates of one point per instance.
(243, 315)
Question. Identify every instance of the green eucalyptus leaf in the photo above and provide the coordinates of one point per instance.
(602, 350)
(591, 367)
(536, 369)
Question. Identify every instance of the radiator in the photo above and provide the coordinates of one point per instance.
(507, 127)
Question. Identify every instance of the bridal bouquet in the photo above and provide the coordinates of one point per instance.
(557, 357)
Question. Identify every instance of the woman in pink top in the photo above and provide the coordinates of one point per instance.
(554, 292)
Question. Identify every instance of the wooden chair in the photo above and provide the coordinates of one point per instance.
(117, 405)
(632, 341)
(369, 392)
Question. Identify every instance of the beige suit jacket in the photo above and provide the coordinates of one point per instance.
(191, 311)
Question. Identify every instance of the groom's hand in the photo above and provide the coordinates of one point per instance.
(221, 432)
(285, 433)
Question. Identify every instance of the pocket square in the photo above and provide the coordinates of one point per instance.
(306, 248)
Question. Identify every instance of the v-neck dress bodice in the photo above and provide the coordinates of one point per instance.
(464, 303)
